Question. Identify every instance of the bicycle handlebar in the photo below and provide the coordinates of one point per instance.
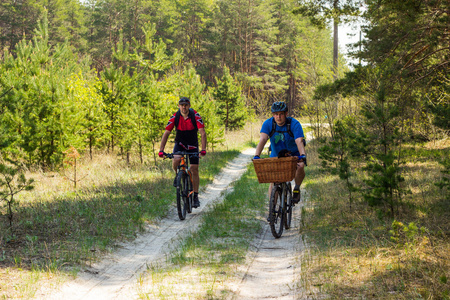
(171, 155)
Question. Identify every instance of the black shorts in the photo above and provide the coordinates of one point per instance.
(193, 159)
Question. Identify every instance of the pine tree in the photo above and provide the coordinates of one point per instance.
(231, 107)
(85, 108)
(336, 153)
(383, 141)
(38, 73)
(320, 11)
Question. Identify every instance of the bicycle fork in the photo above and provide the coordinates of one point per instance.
(192, 182)
(281, 205)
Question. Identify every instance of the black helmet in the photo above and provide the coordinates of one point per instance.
(184, 100)
(279, 106)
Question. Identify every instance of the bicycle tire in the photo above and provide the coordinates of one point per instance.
(182, 191)
(276, 212)
(190, 198)
(289, 206)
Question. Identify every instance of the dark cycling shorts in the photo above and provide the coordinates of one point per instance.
(192, 159)
(296, 153)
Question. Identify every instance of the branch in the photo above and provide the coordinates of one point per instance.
(432, 70)
(426, 56)
(6, 92)
(414, 55)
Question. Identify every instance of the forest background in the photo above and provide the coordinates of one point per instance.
(108, 73)
(103, 76)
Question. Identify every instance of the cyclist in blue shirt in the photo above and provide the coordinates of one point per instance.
(285, 134)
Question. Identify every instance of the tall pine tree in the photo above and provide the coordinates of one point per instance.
(231, 106)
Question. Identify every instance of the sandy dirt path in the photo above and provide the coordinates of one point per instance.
(271, 270)
(114, 276)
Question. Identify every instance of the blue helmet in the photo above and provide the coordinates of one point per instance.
(279, 106)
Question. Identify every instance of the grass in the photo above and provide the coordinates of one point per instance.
(58, 229)
(206, 260)
(362, 253)
(359, 253)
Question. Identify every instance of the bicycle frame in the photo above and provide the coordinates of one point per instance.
(184, 166)
(184, 183)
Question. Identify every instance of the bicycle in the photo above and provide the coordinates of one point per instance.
(184, 183)
(280, 172)
(280, 208)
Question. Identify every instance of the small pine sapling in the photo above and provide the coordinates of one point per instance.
(336, 154)
(71, 157)
(12, 182)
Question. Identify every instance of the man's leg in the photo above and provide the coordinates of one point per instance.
(195, 177)
(175, 163)
(270, 189)
(196, 183)
(299, 176)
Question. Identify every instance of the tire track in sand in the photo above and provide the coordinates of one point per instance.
(272, 268)
(114, 277)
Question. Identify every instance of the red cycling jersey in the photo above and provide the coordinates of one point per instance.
(186, 136)
(185, 124)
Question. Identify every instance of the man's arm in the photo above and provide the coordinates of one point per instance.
(203, 137)
(300, 146)
(262, 142)
(164, 140)
(301, 150)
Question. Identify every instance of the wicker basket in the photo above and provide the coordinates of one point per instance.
(275, 169)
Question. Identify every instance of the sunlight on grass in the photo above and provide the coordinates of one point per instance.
(58, 228)
(213, 252)
(358, 252)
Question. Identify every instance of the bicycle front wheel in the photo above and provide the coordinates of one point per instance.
(276, 212)
(182, 194)
(289, 205)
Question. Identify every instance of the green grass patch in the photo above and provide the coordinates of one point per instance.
(221, 242)
(227, 229)
(76, 226)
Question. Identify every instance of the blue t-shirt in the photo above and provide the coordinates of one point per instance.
(281, 139)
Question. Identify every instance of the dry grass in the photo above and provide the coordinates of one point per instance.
(57, 229)
(363, 254)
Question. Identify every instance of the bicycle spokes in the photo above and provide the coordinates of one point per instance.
(276, 212)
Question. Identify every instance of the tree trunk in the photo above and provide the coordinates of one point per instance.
(335, 49)
(335, 42)
(335, 52)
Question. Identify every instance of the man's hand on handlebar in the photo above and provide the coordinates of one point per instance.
(302, 158)
(161, 154)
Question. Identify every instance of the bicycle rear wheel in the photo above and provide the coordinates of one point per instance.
(276, 212)
(182, 193)
(289, 205)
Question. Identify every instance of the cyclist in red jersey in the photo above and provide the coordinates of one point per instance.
(187, 123)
